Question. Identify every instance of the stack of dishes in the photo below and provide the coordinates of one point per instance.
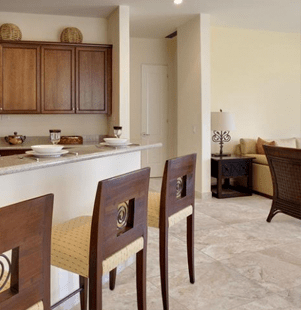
(116, 142)
(47, 150)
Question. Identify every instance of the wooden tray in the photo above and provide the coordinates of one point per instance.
(71, 140)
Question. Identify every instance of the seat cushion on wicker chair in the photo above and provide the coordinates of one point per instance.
(70, 246)
(37, 306)
(154, 211)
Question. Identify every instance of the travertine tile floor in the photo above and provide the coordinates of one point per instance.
(242, 262)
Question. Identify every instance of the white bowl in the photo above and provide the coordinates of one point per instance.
(115, 141)
(47, 149)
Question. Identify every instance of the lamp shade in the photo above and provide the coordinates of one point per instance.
(222, 121)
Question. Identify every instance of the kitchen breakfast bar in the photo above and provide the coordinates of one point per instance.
(73, 179)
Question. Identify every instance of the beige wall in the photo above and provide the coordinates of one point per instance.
(48, 28)
(155, 52)
(256, 76)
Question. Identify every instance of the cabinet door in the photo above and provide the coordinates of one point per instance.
(19, 78)
(58, 87)
(94, 79)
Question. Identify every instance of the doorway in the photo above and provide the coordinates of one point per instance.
(154, 122)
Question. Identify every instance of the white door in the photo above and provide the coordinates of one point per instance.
(154, 116)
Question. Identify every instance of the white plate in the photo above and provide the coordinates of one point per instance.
(47, 148)
(58, 154)
(116, 141)
(115, 145)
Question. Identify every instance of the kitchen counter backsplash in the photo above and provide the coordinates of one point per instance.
(36, 140)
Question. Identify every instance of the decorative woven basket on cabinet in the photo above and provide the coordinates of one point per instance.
(10, 32)
(71, 35)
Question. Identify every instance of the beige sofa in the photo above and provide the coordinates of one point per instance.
(262, 181)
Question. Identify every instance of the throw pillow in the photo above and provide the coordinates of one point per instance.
(248, 146)
(260, 143)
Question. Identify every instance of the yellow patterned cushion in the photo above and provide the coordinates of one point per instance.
(70, 243)
(177, 217)
(154, 211)
(122, 255)
(70, 246)
(37, 306)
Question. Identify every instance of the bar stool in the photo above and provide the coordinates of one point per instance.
(25, 229)
(92, 246)
(176, 202)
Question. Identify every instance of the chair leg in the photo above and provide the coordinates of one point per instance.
(164, 266)
(272, 213)
(141, 279)
(83, 283)
(190, 247)
(113, 279)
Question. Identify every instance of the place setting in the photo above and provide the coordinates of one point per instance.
(49, 150)
(45, 151)
(116, 142)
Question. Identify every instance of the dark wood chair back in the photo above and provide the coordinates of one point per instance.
(25, 229)
(178, 185)
(285, 167)
(119, 218)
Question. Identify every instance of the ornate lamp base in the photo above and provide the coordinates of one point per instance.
(221, 137)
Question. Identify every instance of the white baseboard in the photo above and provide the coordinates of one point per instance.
(200, 195)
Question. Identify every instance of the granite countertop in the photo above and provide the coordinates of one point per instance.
(19, 163)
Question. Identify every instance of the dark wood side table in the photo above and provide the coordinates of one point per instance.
(226, 168)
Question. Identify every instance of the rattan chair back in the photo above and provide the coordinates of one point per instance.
(285, 167)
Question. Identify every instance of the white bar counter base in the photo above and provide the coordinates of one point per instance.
(73, 180)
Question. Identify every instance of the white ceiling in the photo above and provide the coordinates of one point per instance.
(158, 18)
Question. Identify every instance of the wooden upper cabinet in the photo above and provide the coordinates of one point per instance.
(51, 78)
(57, 79)
(19, 78)
(93, 79)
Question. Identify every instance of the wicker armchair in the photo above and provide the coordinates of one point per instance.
(285, 166)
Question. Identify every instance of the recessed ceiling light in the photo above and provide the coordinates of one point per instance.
(178, 1)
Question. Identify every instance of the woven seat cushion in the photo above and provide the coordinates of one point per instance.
(37, 306)
(70, 246)
(154, 211)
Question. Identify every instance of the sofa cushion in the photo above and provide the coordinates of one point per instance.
(260, 143)
(286, 142)
(259, 158)
(237, 150)
(247, 146)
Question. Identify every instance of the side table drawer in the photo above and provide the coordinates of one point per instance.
(235, 168)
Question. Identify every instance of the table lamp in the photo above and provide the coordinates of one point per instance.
(221, 124)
